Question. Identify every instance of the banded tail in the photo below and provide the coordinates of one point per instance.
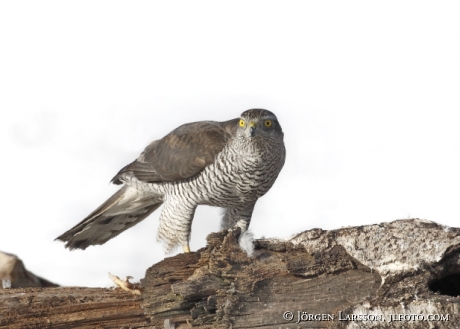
(124, 209)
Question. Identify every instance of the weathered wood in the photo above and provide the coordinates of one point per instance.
(404, 269)
(70, 307)
(225, 287)
(385, 271)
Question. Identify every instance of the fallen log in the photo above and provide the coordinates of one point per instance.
(403, 274)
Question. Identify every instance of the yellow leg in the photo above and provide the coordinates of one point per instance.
(186, 248)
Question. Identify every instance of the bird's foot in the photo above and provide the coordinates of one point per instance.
(186, 248)
(134, 288)
(236, 230)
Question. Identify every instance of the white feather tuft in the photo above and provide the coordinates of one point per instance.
(246, 242)
(6, 283)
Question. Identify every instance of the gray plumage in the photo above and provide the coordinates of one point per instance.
(224, 164)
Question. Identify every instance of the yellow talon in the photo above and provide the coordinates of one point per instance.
(186, 248)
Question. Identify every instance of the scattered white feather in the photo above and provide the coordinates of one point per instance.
(6, 283)
(246, 242)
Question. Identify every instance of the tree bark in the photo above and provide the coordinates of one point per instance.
(70, 307)
(403, 274)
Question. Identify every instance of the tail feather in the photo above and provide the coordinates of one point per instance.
(121, 211)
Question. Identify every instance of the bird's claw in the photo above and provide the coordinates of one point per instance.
(133, 288)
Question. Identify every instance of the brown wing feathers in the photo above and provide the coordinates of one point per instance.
(182, 153)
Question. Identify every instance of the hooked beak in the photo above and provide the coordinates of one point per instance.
(252, 128)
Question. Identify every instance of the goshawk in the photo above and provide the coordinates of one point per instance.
(224, 164)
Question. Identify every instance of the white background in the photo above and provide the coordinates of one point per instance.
(367, 93)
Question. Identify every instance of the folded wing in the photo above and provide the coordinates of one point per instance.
(181, 154)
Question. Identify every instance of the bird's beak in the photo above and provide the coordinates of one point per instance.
(252, 128)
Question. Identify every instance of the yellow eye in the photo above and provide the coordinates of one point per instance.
(241, 123)
(268, 123)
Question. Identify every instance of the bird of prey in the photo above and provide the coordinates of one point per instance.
(226, 164)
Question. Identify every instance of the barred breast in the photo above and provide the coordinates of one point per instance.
(242, 172)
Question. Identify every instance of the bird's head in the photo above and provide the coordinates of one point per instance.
(256, 123)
